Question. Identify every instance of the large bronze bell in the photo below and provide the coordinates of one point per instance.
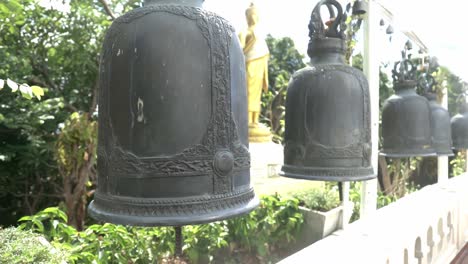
(173, 134)
(440, 117)
(327, 130)
(406, 117)
(459, 125)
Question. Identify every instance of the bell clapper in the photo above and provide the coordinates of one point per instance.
(178, 241)
(340, 190)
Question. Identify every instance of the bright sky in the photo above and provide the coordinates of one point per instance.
(435, 22)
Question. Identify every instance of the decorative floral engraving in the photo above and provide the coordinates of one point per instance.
(315, 149)
(221, 132)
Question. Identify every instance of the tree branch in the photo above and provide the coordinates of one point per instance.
(106, 7)
(95, 97)
(44, 72)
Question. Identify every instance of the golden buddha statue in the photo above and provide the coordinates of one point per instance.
(256, 63)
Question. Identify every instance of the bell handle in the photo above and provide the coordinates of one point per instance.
(426, 82)
(332, 30)
(330, 10)
(405, 70)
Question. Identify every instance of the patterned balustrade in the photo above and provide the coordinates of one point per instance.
(426, 227)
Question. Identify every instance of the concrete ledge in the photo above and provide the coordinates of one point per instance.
(428, 226)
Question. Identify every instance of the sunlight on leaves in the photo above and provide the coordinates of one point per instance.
(13, 85)
(37, 91)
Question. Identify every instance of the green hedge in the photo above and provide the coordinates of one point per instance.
(260, 235)
(24, 247)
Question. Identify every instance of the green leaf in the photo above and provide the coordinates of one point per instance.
(13, 85)
(37, 91)
(25, 218)
(51, 52)
(26, 91)
(39, 225)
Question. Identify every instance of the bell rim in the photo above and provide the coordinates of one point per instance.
(101, 213)
(412, 153)
(444, 154)
(461, 147)
(332, 174)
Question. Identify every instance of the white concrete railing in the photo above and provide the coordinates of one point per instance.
(428, 226)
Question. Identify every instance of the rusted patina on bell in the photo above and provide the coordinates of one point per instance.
(440, 117)
(459, 126)
(173, 139)
(406, 117)
(327, 130)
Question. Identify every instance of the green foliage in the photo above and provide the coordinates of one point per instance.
(42, 47)
(76, 143)
(24, 247)
(76, 158)
(353, 25)
(27, 134)
(283, 62)
(382, 198)
(273, 225)
(458, 164)
(105, 243)
(267, 228)
(24, 89)
(203, 241)
(455, 87)
(319, 199)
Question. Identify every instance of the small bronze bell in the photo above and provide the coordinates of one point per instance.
(389, 30)
(440, 118)
(327, 130)
(173, 138)
(459, 125)
(360, 7)
(406, 117)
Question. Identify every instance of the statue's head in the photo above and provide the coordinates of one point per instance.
(251, 14)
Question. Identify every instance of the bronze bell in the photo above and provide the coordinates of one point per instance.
(327, 130)
(389, 30)
(440, 118)
(360, 7)
(406, 117)
(459, 125)
(173, 137)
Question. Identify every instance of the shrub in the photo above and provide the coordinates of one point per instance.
(106, 243)
(257, 235)
(19, 246)
(319, 199)
(268, 228)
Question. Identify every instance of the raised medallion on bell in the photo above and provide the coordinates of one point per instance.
(173, 132)
(406, 117)
(440, 118)
(327, 130)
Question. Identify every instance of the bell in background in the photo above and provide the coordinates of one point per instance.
(459, 125)
(327, 130)
(360, 7)
(440, 117)
(173, 136)
(406, 117)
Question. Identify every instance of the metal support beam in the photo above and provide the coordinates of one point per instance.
(442, 162)
(371, 70)
(347, 209)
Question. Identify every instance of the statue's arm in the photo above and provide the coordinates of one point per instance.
(242, 38)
